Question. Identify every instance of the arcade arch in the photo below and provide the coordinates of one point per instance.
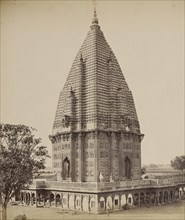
(85, 203)
(102, 203)
(109, 202)
(130, 199)
(116, 202)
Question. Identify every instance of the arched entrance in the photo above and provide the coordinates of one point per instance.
(22, 197)
(86, 203)
(66, 168)
(142, 199)
(93, 204)
(180, 193)
(130, 199)
(136, 199)
(102, 203)
(127, 164)
(51, 199)
(147, 198)
(116, 202)
(166, 197)
(176, 193)
(123, 200)
(71, 202)
(28, 198)
(58, 200)
(65, 201)
(160, 197)
(171, 195)
(109, 203)
(153, 197)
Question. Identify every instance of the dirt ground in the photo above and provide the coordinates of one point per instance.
(174, 211)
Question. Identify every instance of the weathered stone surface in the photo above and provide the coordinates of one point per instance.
(96, 128)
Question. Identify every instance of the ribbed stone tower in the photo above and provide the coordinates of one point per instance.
(96, 133)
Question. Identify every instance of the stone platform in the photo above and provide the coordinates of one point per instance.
(97, 197)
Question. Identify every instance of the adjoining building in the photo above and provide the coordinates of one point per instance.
(96, 140)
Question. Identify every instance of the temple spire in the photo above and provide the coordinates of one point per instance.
(95, 19)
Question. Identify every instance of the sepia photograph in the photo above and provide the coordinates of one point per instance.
(92, 109)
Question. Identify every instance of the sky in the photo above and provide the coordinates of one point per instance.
(40, 39)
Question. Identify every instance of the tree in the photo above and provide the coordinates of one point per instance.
(21, 156)
(178, 163)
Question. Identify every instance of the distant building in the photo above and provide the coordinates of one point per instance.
(96, 128)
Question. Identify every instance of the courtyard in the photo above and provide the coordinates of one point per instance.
(174, 211)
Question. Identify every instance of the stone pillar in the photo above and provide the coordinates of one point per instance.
(27, 199)
(174, 199)
(31, 198)
(126, 196)
(24, 198)
(149, 199)
(113, 202)
(120, 201)
(55, 200)
(20, 197)
(81, 202)
(68, 200)
(144, 199)
(156, 199)
(105, 204)
(174, 196)
(139, 202)
(61, 199)
(74, 201)
(168, 197)
(183, 193)
(162, 199)
(49, 199)
(44, 199)
(89, 205)
(36, 198)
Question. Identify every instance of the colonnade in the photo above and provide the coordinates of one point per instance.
(68, 201)
(102, 201)
(140, 198)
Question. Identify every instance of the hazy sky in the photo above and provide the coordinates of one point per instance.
(40, 39)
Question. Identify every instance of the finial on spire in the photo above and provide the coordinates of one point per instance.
(95, 19)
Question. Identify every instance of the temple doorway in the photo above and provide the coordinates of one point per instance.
(66, 168)
(127, 168)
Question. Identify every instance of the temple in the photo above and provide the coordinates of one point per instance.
(96, 141)
(96, 128)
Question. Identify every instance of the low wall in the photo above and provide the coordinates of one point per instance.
(103, 186)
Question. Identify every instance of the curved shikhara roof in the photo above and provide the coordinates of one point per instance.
(101, 93)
